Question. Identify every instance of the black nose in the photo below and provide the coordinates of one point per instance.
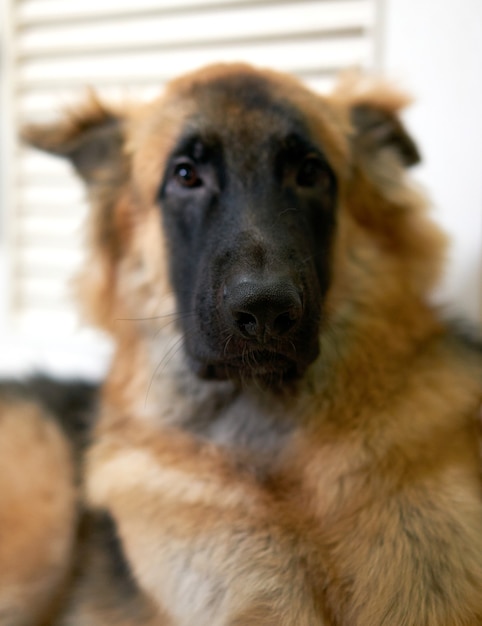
(262, 309)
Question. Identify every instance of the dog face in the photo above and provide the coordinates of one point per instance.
(244, 172)
(248, 201)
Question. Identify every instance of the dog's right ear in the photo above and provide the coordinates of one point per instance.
(90, 136)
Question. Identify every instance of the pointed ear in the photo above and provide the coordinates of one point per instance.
(377, 128)
(90, 136)
(373, 107)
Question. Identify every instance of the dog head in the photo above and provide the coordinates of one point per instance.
(230, 194)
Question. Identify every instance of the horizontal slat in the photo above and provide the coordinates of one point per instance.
(45, 228)
(69, 196)
(49, 241)
(44, 105)
(55, 182)
(44, 289)
(51, 179)
(188, 31)
(34, 12)
(307, 55)
(53, 323)
(63, 278)
(320, 83)
(49, 257)
(35, 163)
(50, 103)
(55, 320)
(61, 273)
(51, 212)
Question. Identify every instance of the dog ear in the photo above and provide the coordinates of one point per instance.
(90, 136)
(373, 107)
(377, 129)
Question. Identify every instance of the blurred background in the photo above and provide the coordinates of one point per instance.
(51, 49)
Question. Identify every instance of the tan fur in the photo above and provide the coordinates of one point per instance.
(37, 514)
(369, 511)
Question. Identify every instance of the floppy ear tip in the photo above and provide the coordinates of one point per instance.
(29, 134)
(52, 136)
(45, 137)
(57, 137)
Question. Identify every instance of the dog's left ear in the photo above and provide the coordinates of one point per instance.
(90, 136)
(377, 128)
(373, 108)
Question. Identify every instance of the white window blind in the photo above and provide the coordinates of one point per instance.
(129, 48)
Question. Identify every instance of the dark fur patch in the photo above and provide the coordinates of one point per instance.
(72, 403)
(466, 334)
(377, 129)
(104, 585)
(98, 531)
(251, 91)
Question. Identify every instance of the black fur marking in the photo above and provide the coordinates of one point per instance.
(97, 150)
(252, 92)
(261, 215)
(377, 129)
(71, 403)
(102, 581)
(98, 531)
(468, 335)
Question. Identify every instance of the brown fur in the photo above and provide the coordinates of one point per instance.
(352, 499)
(37, 514)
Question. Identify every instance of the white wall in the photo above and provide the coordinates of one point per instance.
(435, 48)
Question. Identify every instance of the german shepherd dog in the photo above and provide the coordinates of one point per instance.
(287, 435)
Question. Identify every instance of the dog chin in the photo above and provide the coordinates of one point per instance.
(262, 367)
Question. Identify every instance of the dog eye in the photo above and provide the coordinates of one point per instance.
(186, 175)
(312, 172)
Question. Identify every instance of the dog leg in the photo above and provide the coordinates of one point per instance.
(204, 540)
(37, 513)
(413, 557)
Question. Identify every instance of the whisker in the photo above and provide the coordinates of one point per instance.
(171, 351)
(227, 342)
(154, 317)
(173, 321)
(288, 210)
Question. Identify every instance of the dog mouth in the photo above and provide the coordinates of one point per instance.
(269, 359)
(267, 367)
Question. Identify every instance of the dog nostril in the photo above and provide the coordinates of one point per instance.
(246, 323)
(262, 310)
(285, 322)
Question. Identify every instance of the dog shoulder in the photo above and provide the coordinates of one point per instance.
(39, 507)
